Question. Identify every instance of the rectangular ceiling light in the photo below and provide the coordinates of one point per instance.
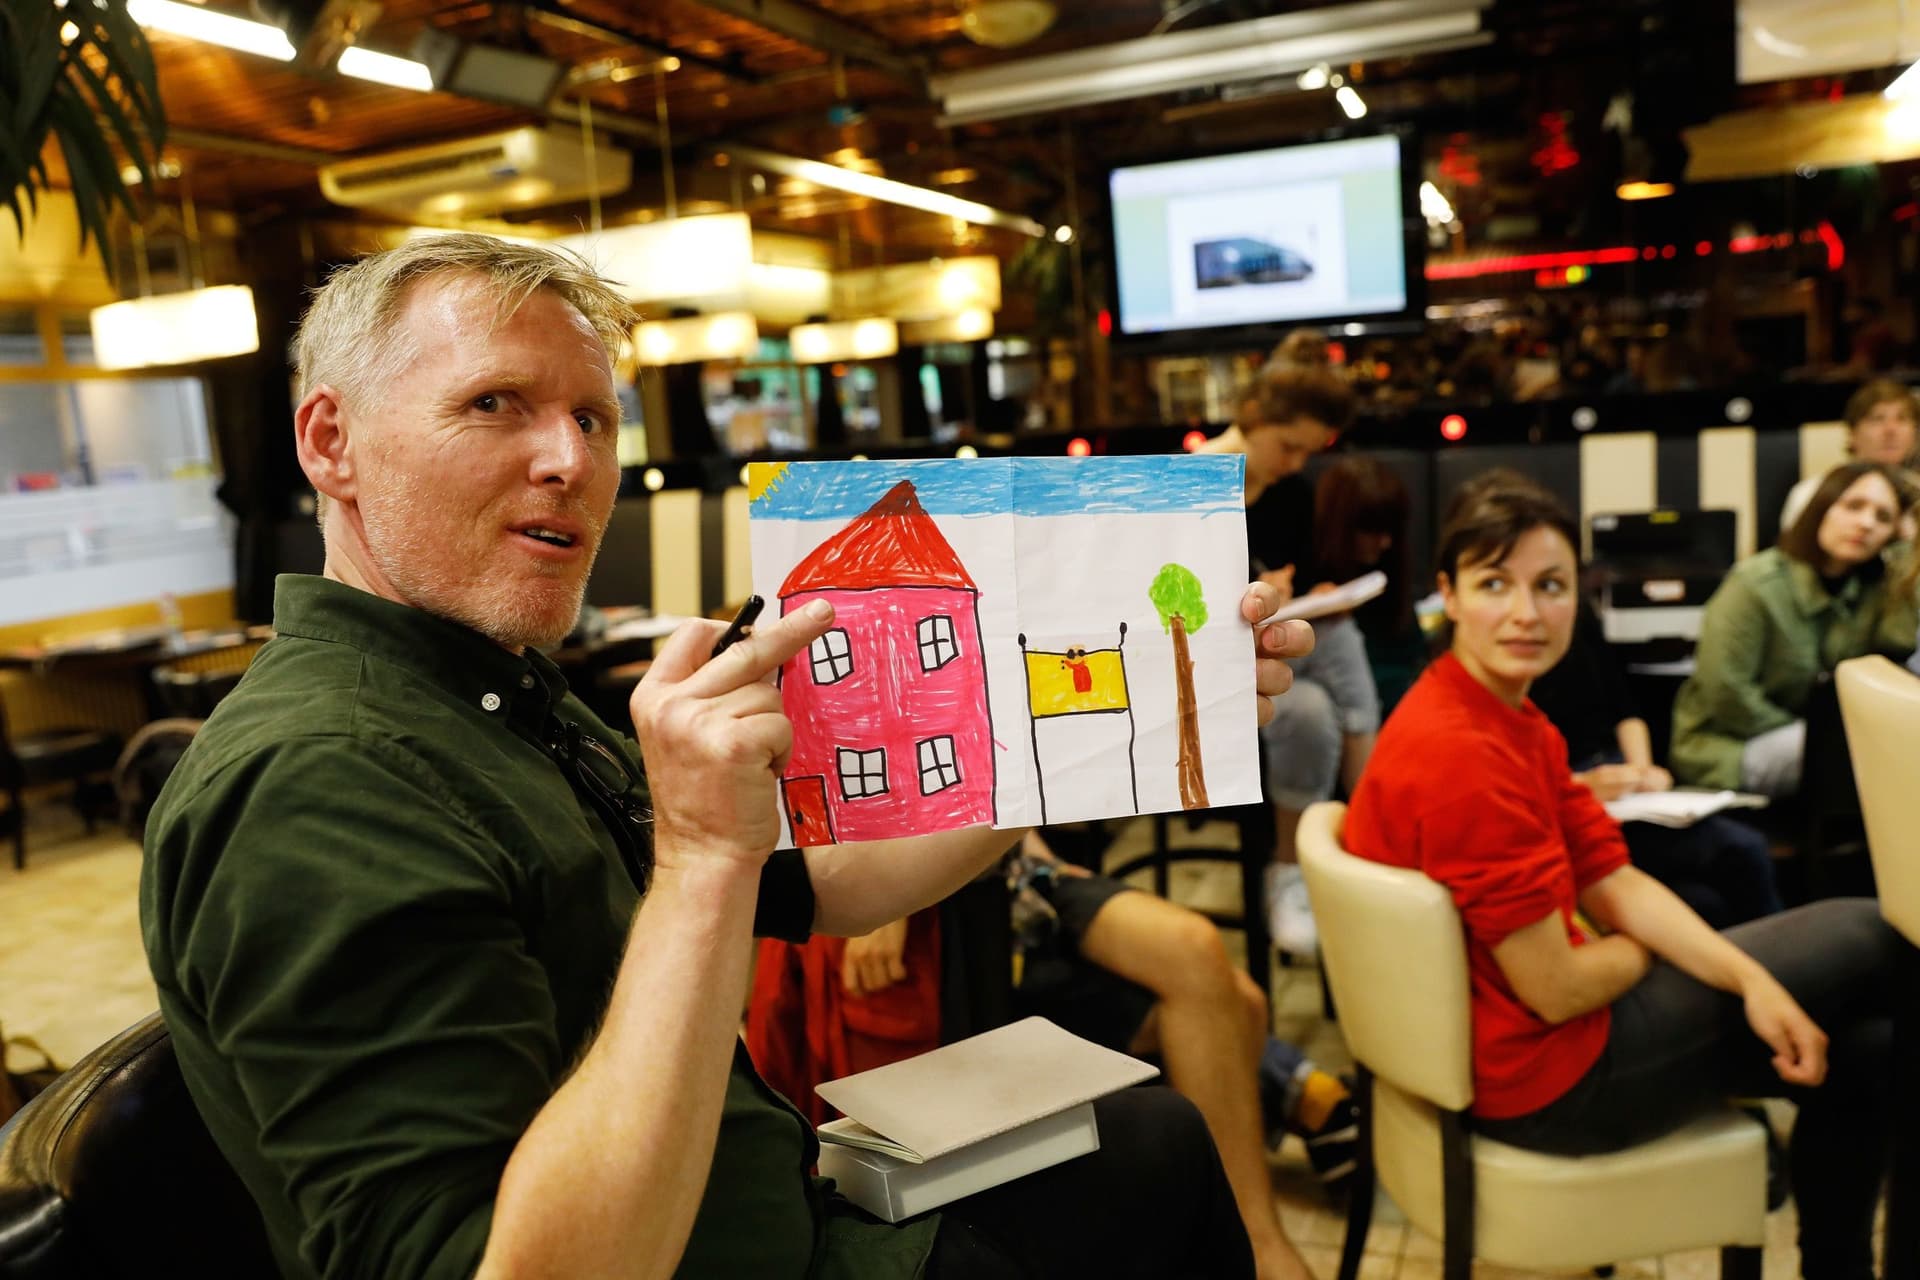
(384, 68)
(196, 23)
(873, 338)
(874, 187)
(176, 328)
(919, 290)
(674, 258)
(970, 325)
(731, 335)
(1281, 44)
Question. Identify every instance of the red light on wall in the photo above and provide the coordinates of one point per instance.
(1836, 248)
(1104, 321)
(1668, 251)
(1453, 427)
(1078, 447)
(1647, 254)
(1382, 371)
(1193, 440)
(1336, 353)
(1703, 248)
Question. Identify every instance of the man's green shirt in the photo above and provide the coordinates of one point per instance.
(384, 925)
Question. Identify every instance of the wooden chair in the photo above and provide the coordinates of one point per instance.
(1392, 944)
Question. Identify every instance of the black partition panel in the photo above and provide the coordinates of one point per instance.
(1555, 467)
(1776, 469)
(623, 574)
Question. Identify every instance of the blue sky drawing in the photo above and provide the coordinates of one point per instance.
(1152, 484)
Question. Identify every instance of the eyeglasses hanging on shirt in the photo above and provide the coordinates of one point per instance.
(597, 772)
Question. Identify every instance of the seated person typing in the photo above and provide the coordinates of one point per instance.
(1582, 1041)
(454, 983)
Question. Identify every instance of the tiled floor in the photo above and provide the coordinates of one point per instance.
(72, 973)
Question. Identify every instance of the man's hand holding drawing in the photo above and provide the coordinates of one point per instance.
(715, 737)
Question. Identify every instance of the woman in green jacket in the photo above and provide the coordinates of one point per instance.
(1781, 619)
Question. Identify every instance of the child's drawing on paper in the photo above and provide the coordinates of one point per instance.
(897, 689)
(1015, 640)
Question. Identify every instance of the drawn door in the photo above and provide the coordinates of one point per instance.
(807, 810)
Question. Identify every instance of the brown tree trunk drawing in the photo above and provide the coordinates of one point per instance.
(1193, 782)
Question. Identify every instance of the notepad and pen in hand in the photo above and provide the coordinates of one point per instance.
(1342, 599)
(967, 1116)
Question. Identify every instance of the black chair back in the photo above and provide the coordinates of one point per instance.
(110, 1173)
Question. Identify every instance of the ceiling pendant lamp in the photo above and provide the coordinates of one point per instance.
(1003, 24)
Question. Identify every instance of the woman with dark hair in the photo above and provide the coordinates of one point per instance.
(1782, 619)
(1360, 512)
(1586, 1042)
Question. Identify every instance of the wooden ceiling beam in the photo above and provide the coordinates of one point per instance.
(829, 35)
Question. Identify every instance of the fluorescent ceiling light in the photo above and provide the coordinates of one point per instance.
(731, 335)
(919, 290)
(874, 187)
(1280, 44)
(871, 339)
(384, 68)
(175, 328)
(192, 21)
(1905, 85)
(1350, 101)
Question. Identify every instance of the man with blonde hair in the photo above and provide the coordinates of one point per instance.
(454, 983)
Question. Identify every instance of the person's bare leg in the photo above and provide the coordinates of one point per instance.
(1354, 750)
(1206, 1035)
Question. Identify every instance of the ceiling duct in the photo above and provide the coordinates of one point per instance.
(1234, 51)
(522, 168)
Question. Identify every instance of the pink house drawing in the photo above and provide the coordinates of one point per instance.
(889, 708)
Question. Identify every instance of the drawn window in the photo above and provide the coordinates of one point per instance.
(863, 773)
(938, 771)
(937, 646)
(832, 657)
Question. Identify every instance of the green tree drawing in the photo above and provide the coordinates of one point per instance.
(1183, 610)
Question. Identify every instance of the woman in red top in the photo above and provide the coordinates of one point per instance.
(1584, 1041)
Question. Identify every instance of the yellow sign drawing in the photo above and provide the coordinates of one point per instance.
(1075, 682)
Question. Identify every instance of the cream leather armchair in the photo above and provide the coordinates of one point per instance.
(1397, 961)
(1880, 702)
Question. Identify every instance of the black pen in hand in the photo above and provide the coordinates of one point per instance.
(741, 626)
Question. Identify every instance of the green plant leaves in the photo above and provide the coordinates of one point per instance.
(97, 96)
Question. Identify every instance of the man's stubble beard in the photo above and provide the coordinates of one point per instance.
(400, 547)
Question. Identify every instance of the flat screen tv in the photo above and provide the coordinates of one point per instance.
(1307, 234)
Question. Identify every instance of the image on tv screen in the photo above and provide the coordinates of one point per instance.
(1293, 233)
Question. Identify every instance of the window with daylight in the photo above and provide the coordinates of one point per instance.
(937, 647)
(938, 771)
(863, 773)
(832, 656)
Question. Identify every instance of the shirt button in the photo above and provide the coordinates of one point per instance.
(526, 681)
(490, 702)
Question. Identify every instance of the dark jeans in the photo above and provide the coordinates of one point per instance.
(1677, 1048)
(1152, 1202)
(1719, 866)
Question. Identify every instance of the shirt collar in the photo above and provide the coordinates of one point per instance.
(1810, 592)
(519, 689)
(1484, 700)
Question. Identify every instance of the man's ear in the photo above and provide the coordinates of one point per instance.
(323, 444)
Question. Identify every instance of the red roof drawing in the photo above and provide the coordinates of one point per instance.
(894, 544)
